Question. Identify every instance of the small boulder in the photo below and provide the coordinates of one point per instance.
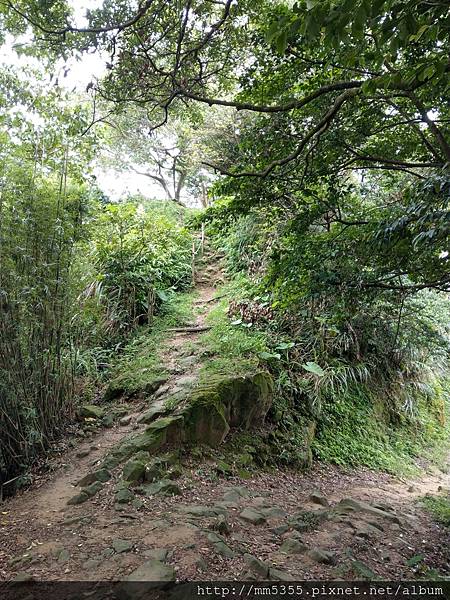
(83, 453)
(349, 505)
(152, 386)
(280, 529)
(322, 556)
(102, 475)
(257, 566)
(78, 498)
(252, 516)
(293, 546)
(159, 554)
(90, 411)
(121, 546)
(93, 489)
(124, 421)
(133, 470)
(221, 525)
(165, 486)
(123, 496)
(201, 511)
(151, 575)
(220, 546)
(151, 414)
(365, 531)
(318, 498)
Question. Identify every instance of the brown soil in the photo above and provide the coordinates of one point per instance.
(37, 525)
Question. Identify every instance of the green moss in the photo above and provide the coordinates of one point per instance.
(439, 506)
(206, 425)
(353, 429)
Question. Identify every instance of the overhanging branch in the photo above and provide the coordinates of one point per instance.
(319, 129)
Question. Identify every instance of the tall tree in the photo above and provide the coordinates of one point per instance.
(171, 156)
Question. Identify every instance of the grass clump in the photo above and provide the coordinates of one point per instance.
(230, 348)
(439, 507)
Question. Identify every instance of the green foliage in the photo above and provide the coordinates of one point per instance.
(439, 507)
(141, 257)
(43, 204)
(344, 359)
(356, 428)
(335, 208)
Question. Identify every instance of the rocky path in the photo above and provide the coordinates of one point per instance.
(326, 524)
(196, 525)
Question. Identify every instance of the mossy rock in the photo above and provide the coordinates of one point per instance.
(149, 441)
(113, 391)
(205, 424)
(120, 387)
(102, 475)
(157, 434)
(151, 414)
(108, 420)
(133, 470)
(90, 411)
(164, 487)
(227, 402)
(152, 386)
(123, 496)
(206, 418)
(245, 400)
(171, 427)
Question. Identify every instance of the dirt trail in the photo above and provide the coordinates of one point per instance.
(276, 525)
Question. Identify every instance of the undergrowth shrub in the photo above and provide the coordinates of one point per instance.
(439, 507)
(140, 255)
(356, 428)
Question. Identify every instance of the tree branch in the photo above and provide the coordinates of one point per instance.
(71, 29)
(294, 104)
(320, 128)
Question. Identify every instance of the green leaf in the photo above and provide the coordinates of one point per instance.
(313, 367)
(416, 36)
(312, 27)
(162, 295)
(285, 346)
(269, 355)
(272, 31)
(369, 87)
(427, 73)
(281, 42)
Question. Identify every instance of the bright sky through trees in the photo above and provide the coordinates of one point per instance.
(74, 75)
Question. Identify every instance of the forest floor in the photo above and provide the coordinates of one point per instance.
(329, 523)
